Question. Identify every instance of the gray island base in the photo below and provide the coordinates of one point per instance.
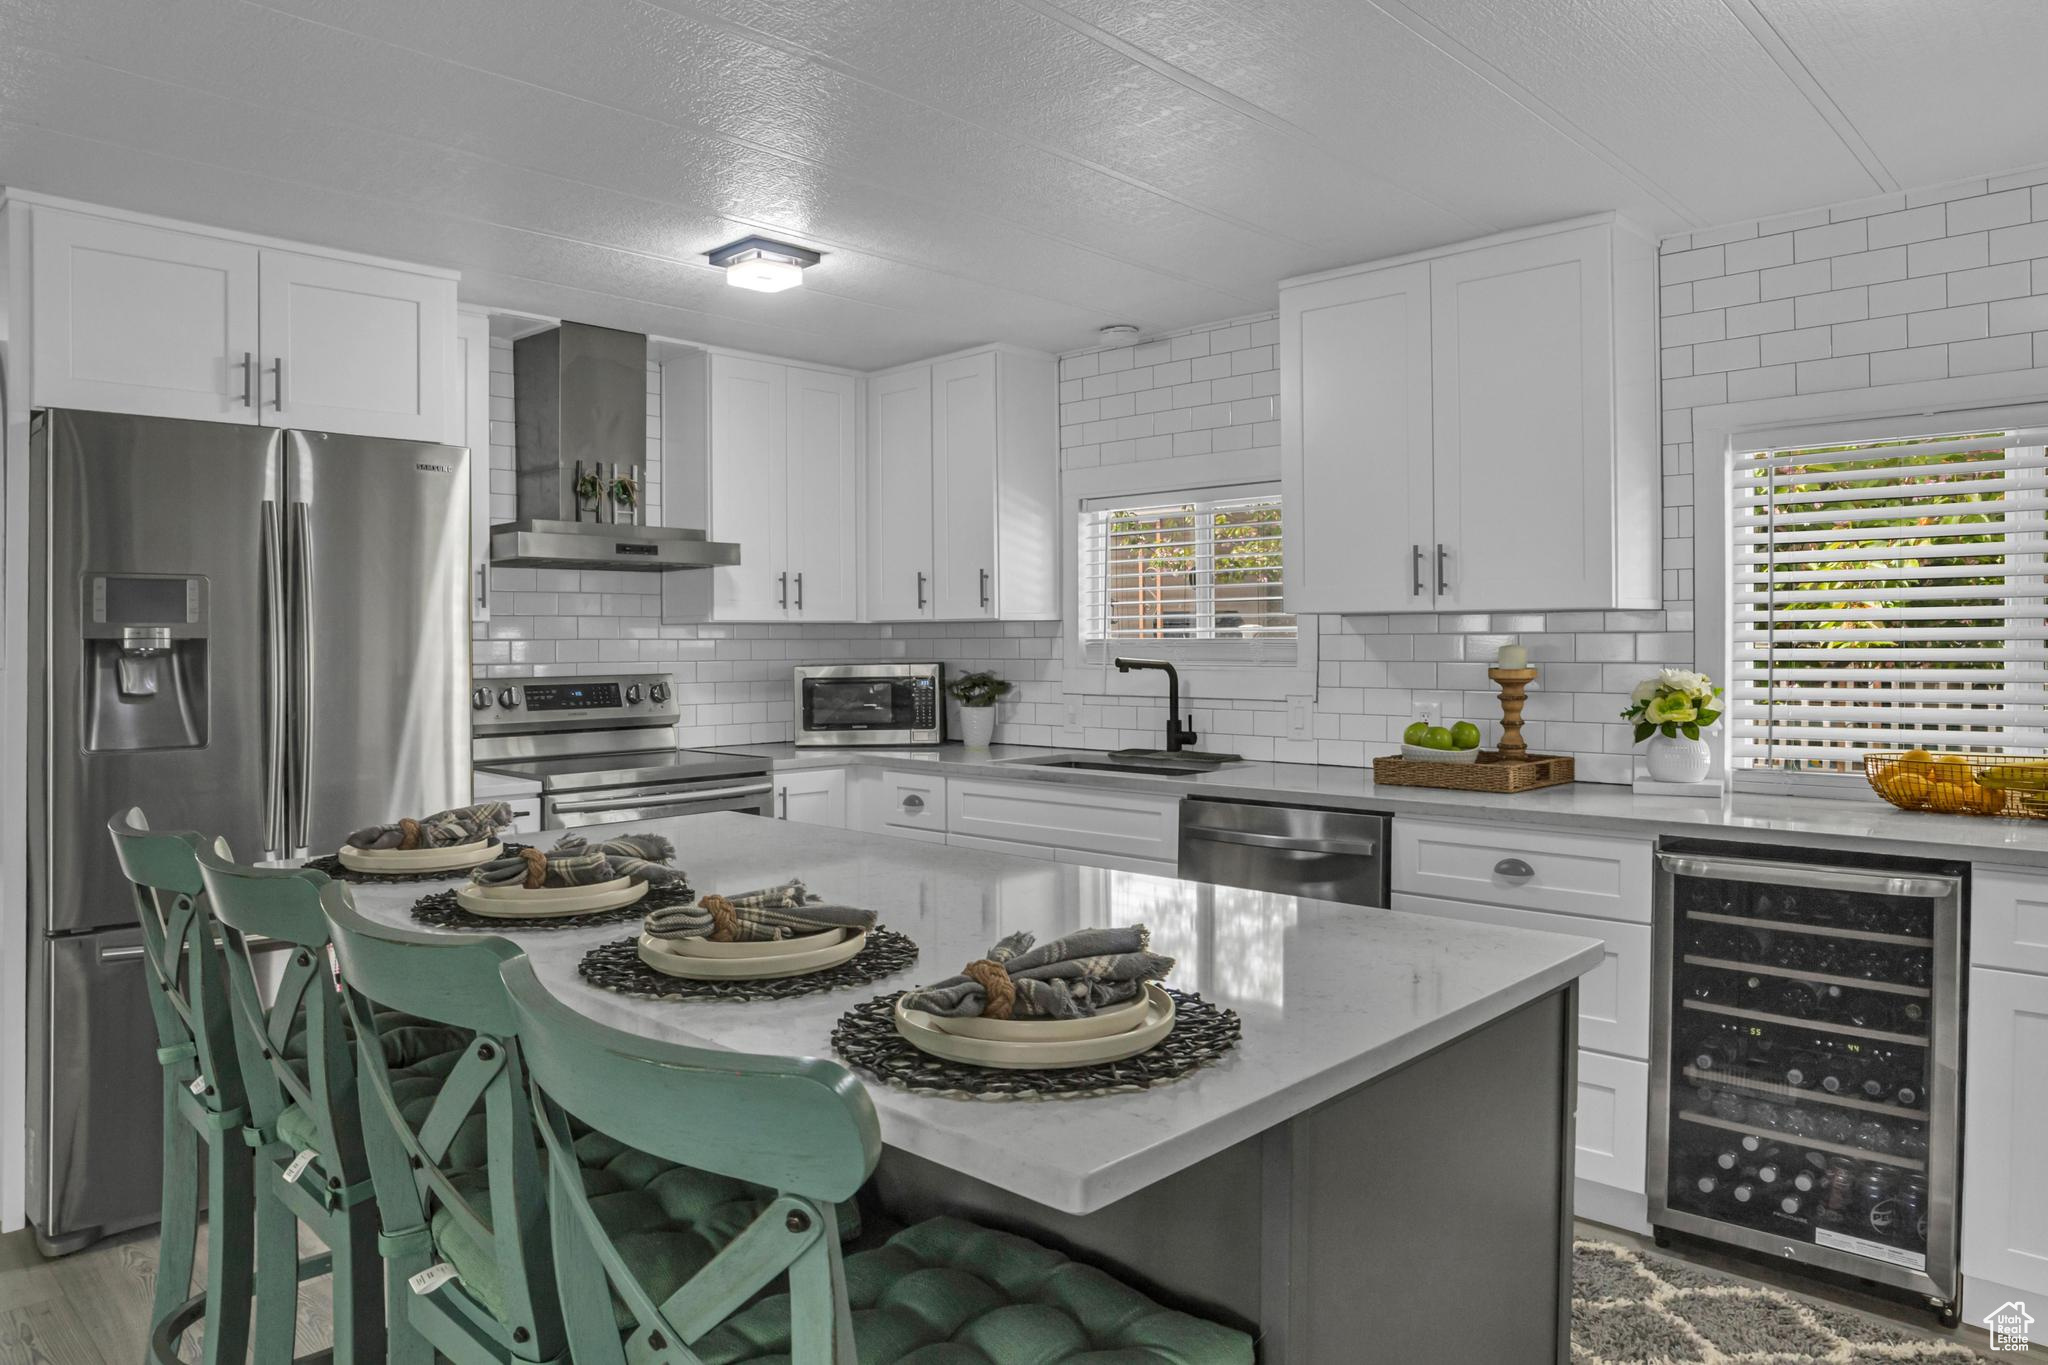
(1380, 1171)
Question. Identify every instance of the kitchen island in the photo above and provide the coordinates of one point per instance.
(1381, 1170)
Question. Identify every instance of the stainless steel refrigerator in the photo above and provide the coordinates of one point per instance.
(252, 633)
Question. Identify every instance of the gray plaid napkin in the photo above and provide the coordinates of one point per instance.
(1068, 978)
(443, 829)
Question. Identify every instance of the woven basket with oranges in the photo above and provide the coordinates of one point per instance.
(1961, 784)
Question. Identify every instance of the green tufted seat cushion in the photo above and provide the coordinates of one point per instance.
(666, 1220)
(419, 1054)
(947, 1292)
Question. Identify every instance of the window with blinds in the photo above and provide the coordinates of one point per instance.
(1889, 595)
(1198, 576)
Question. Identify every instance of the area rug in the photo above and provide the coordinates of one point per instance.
(1634, 1308)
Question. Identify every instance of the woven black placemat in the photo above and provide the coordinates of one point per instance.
(332, 865)
(442, 911)
(617, 967)
(866, 1038)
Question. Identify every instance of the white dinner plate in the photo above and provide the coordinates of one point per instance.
(1104, 1024)
(736, 952)
(452, 858)
(656, 955)
(922, 1032)
(517, 902)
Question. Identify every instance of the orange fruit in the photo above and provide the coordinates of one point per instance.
(1950, 799)
(1988, 801)
(1908, 789)
(1954, 770)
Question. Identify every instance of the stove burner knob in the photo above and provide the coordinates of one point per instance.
(658, 693)
(509, 697)
(632, 694)
(481, 699)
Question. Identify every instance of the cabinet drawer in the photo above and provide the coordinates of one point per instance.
(2009, 919)
(1117, 824)
(910, 804)
(1614, 998)
(1530, 869)
(1614, 1120)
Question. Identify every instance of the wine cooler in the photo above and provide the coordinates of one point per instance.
(1804, 1082)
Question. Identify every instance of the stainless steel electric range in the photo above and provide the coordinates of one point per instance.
(603, 749)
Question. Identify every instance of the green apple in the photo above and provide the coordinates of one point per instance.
(1465, 735)
(1414, 733)
(1436, 737)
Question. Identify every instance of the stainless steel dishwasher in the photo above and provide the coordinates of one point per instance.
(1313, 851)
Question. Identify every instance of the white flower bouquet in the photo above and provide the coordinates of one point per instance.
(1676, 702)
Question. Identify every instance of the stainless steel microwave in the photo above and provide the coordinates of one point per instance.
(881, 704)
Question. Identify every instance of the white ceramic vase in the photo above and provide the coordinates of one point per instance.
(1674, 758)
(977, 725)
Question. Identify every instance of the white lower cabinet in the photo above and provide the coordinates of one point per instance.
(2005, 1137)
(1531, 869)
(1087, 825)
(912, 805)
(812, 796)
(1613, 1120)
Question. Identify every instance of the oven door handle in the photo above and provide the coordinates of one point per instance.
(651, 801)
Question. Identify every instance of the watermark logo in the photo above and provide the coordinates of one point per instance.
(2008, 1325)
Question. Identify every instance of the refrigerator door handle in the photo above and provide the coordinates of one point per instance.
(302, 682)
(275, 645)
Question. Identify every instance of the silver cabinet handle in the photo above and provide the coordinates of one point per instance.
(120, 954)
(277, 369)
(799, 592)
(984, 587)
(782, 804)
(483, 586)
(1802, 874)
(1351, 848)
(274, 678)
(913, 802)
(1513, 867)
(1416, 559)
(248, 379)
(782, 591)
(1442, 583)
(920, 592)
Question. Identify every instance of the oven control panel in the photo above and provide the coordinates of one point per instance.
(530, 703)
(573, 696)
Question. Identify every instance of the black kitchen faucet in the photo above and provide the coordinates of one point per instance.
(1178, 734)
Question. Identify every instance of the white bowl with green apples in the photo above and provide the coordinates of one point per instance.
(1426, 743)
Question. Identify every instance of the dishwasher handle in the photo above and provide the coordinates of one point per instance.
(1355, 848)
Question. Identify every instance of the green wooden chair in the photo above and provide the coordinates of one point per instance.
(944, 1292)
(203, 1099)
(299, 1076)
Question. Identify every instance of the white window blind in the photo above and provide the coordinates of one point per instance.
(1196, 574)
(1890, 595)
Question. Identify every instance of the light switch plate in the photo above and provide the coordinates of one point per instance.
(1301, 717)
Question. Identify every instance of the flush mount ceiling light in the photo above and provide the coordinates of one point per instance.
(762, 264)
(1119, 331)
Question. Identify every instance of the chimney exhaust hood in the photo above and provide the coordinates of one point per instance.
(580, 397)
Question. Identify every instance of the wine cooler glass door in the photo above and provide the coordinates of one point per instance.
(1807, 1064)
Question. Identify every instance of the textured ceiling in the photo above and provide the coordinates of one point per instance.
(1017, 170)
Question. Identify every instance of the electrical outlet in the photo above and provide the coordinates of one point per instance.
(1301, 717)
(1073, 713)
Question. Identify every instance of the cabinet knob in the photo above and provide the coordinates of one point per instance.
(509, 697)
(1513, 867)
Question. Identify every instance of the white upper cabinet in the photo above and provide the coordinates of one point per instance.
(353, 347)
(1475, 429)
(766, 455)
(900, 529)
(126, 317)
(138, 316)
(963, 496)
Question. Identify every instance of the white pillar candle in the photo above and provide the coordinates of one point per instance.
(1511, 656)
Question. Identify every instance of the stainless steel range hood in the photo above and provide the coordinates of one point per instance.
(580, 397)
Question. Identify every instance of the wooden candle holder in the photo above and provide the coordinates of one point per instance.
(1514, 695)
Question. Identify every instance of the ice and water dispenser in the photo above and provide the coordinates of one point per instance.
(145, 661)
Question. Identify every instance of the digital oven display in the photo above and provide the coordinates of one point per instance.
(564, 697)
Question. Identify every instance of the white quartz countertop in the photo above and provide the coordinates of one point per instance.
(1805, 822)
(1330, 996)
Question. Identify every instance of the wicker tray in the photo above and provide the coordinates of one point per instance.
(1491, 773)
(2014, 786)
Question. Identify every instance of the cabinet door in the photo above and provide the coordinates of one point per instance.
(1523, 379)
(1355, 451)
(355, 348)
(812, 798)
(749, 467)
(470, 425)
(964, 488)
(139, 319)
(2005, 1189)
(824, 497)
(900, 496)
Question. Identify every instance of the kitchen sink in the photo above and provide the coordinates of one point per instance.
(1151, 764)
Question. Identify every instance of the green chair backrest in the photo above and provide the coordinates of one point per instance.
(283, 905)
(188, 992)
(801, 1126)
(453, 979)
